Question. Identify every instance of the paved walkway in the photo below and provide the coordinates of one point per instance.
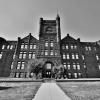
(50, 91)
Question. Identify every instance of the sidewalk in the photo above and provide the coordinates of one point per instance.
(50, 91)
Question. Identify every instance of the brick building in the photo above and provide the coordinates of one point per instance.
(80, 59)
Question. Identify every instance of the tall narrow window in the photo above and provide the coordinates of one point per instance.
(84, 65)
(8, 46)
(17, 75)
(11, 47)
(72, 47)
(46, 52)
(63, 47)
(75, 47)
(46, 43)
(20, 55)
(67, 56)
(42, 52)
(51, 52)
(77, 57)
(75, 75)
(73, 56)
(68, 65)
(1, 55)
(99, 66)
(12, 65)
(83, 57)
(24, 55)
(66, 46)
(22, 65)
(18, 65)
(3, 46)
(34, 46)
(22, 46)
(51, 43)
(33, 56)
(64, 56)
(30, 55)
(64, 64)
(31, 46)
(97, 57)
(74, 66)
(26, 46)
(78, 66)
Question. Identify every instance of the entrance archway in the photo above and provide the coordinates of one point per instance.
(47, 70)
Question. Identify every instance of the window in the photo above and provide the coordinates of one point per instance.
(83, 57)
(79, 74)
(46, 43)
(56, 53)
(26, 46)
(99, 66)
(95, 48)
(77, 57)
(22, 46)
(18, 65)
(17, 75)
(67, 56)
(34, 46)
(46, 52)
(78, 66)
(12, 65)
(84, 65)
(68, 65)
(72, 47)
(88, 48)
(21, 75)
(64, 56)
(8, 46)
(3, 46)
(73, 56)
(33, 56)
(51, 43)
(75, 75)
(74, 66)
(63, 47)
(31, 46)
(14, 56)
(22, 65)
(42, 52)
(69, 75)
(30, 55)
(1, 55)
(66, 46)
(75, 47)
(20, 55)
(11, 47)
(51, 52)
(97, 57)
(64, 64)
(24, 55)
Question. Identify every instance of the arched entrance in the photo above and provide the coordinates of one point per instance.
(47, 70)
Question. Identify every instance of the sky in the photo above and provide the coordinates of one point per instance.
(79, 18)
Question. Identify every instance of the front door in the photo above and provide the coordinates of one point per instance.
(47, 70)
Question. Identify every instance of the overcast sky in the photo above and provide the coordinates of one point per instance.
(79, 18)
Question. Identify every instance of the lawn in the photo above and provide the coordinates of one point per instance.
(18, 91)
(81, 90)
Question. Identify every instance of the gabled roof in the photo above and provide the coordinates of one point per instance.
(69, 39)
(29, 37)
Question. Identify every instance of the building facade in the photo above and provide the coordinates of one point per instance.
(80, 59)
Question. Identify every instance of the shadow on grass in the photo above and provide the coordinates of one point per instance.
(4, 88)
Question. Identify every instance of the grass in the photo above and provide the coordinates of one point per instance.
(81, 90)
(19, 91)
